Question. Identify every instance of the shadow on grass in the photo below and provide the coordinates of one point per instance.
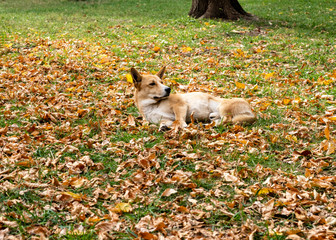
(302, 16)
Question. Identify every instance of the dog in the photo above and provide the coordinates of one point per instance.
(157, 105)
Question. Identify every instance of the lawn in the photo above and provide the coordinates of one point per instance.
(79, 162)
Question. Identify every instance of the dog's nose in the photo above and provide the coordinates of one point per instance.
(167, 90)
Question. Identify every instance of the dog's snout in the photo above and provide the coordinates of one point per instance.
(167, 90)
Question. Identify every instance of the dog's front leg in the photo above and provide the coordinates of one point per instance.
(180, 112)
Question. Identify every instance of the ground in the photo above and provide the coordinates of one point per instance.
(78, 162)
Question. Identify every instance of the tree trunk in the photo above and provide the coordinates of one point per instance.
(226, 9)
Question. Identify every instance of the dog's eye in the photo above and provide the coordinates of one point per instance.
(152, 84)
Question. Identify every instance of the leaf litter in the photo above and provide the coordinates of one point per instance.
(74, 147)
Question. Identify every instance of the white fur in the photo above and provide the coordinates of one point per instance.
(200, 106)
(155, 112)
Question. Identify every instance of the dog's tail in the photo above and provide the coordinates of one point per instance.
(246, 118)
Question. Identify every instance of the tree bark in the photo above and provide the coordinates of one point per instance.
(225, 9)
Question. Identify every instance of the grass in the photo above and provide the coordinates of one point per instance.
(67, 115)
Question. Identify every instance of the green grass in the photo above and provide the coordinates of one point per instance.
(65, 110)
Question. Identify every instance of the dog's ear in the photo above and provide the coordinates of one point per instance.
(161, 72)
(136, 77)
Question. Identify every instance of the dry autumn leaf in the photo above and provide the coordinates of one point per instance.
(156, 49)
(168, 192)
(265, 191)
(7, 223)
(327, 132)
(75, 196)
(78, 159)
(148, 236)
(287, 101)
(269, 75)
(122, 207)
(240, 85)
(129, 78)
(186, 49)
(26, 163)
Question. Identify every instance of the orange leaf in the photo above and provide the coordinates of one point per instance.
(104, 60)
(291, 138)
(308, 173)
(182, 209)
(81, 112)
(148, 236)
(239, 53)
(26, 163)
(3, 130)
(156, 49)
(240, 85)
(94, 219)
(327, 132)
(286, 101)
(318, 182)
(160, 226)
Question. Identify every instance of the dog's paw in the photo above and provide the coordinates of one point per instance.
(183, 125)
(214, 116)
(163, 128)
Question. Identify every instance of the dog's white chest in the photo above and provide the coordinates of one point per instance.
(156, 112)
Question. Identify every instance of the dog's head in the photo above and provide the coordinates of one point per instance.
(150, 86)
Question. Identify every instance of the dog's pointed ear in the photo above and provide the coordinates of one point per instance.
(136, 77)
(161, 72)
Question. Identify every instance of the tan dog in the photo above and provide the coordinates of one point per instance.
(157, 105)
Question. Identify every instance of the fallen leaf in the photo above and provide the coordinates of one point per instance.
(269, 75)
(286, 101)
(182, 209)
(129, 78)
(168, 192)
(186, 49)
(327, 132)
(240, 85)
(5, 222)
(148, 236)
(265, 191)
(156, 49)
(75, 196)
(122, 207)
